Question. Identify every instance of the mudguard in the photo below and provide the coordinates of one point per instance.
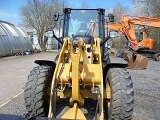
(45, 62)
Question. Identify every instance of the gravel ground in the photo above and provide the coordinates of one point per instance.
(146, 87)
(14, 72)
(147, 95)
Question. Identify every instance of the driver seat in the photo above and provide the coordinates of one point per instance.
(81, 34)
(82, 30)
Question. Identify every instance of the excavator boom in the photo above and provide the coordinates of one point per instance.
(144, 21)
(127, 28)
(128, 31)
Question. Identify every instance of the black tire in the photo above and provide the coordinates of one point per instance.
(122, 94)
(35, 94)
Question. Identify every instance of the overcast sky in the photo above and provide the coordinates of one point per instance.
(9, 10)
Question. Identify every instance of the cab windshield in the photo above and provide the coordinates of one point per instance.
(83, 23)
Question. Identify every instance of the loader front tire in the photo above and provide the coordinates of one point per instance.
(35, 94)
(122, 94)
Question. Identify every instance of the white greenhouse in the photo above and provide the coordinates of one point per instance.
(13, 40)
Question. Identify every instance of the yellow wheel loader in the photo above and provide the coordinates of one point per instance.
(82, 71)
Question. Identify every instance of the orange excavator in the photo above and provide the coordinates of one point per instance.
(127, 28)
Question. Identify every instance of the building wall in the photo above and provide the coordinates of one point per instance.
(52, 43)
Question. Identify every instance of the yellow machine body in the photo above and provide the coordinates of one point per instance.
(83, 68)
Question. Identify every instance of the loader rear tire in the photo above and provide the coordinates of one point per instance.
(35, 94)
(122, 94)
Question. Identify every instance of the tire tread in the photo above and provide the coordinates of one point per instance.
(35, 91)
(122, 94)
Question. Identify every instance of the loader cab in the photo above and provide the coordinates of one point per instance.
(83, 23)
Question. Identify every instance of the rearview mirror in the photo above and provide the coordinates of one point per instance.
(113, 34)
(49, 33)
(111, 18)
(56, 17)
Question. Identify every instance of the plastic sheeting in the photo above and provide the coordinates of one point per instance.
(13, 40)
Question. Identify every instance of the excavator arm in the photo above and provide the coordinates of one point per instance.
(127, 28)
(134, 61)
(115, 26)
(128, 31)
(143, 21)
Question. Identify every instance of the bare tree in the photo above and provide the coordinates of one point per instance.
(141, 8)
(154, 33)
(39, 15)
(154, 7)
(118, 11)
(149, 8)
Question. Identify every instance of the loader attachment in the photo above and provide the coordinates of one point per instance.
(135, 61)
(74, 113)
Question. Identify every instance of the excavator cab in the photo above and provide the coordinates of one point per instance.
(144, 42)
(139, 36)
